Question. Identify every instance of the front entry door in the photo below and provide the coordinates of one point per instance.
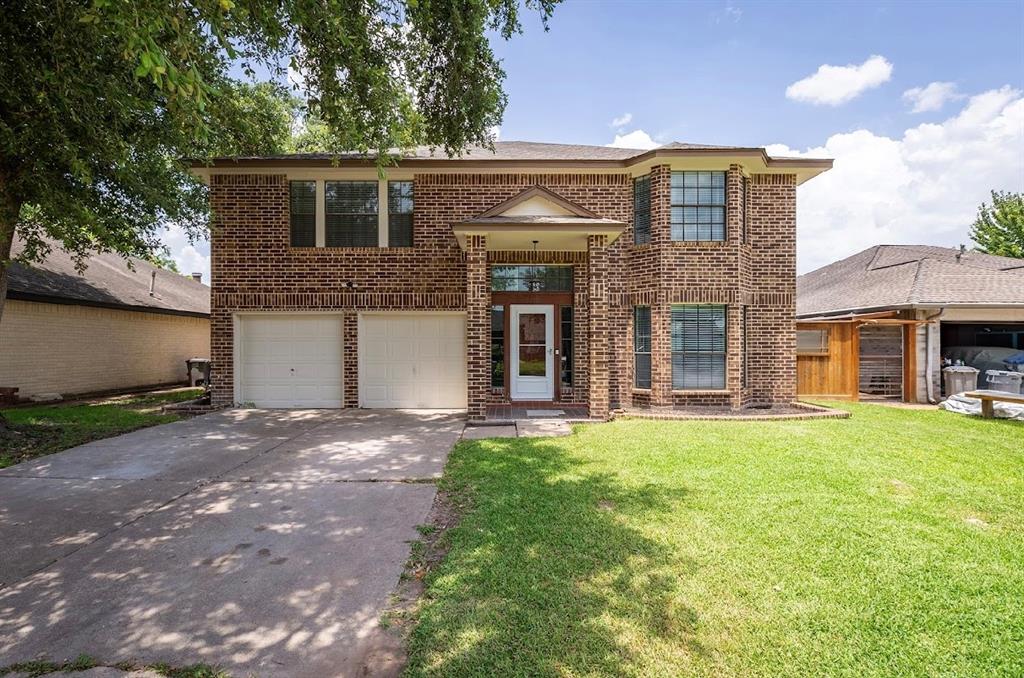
(532, 352)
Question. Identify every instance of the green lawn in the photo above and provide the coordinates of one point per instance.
(51, 428)
(888, 544)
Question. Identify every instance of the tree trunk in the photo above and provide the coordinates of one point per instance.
(10, 208)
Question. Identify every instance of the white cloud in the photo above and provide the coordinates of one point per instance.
(635, 139)
(834, 85)
(494, 132)
(622, 120)
(931, 97)
(190, 257)
(921, 188)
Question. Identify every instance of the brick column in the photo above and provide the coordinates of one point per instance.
(478, 328)
(661, 353)
(597, 248)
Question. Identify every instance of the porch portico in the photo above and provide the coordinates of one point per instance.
(534, 333)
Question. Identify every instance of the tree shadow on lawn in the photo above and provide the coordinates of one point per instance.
(548, 572)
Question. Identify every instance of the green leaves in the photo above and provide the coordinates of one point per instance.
(999, 228)
(99, 101)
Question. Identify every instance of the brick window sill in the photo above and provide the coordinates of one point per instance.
(641, 391)
(707, 391)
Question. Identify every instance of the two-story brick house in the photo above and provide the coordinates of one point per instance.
(536, 273)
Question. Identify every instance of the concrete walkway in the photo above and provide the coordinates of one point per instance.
(265, 542)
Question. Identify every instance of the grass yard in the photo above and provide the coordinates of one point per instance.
(37, 431)
(889, 544)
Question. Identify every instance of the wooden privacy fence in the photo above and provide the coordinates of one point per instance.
(872, 355)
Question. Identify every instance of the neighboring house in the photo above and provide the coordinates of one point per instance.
(536, 273)
(107, 328)
(879, 323)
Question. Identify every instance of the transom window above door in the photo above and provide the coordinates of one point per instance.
(521, 278)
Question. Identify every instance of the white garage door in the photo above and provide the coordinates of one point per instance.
(290, 360)
(412, 360)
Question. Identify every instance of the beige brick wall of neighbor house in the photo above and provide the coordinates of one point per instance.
(56, 348)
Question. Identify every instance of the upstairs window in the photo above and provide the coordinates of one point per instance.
(302, 213)
(400, 207)
(351, 213)
(642, 346)
(698, 347)
(642, 210)
(698, 206)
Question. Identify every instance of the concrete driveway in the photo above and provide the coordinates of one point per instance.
(266, 542)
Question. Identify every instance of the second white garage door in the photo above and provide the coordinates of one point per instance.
(412, 360)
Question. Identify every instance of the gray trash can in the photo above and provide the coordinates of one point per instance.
(1002, 380)
(959, 378)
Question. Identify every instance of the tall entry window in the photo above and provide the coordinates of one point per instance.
(567, 346)
(698, 206)
(351, 213)
(698, 347)
(497, 347)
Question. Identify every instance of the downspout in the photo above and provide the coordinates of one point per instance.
(928, 364)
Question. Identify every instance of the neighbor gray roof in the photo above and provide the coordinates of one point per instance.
(887, 276)
(107, 282)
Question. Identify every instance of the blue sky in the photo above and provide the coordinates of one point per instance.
(716, 72)
(919, 103)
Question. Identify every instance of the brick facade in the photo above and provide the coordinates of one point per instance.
(752, 272)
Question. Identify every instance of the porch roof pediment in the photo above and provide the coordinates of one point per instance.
(537, 219)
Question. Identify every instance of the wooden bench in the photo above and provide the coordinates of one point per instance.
(988, 398)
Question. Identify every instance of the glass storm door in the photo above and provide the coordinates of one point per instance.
(532, 354)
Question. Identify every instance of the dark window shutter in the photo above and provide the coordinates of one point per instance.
(302, 213)
(642, 210)
(351, 213)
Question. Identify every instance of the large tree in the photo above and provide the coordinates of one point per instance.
(999, 228)
(100, 100)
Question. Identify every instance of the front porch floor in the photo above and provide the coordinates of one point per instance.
(516, 411)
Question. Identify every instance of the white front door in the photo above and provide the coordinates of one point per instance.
(532, 359)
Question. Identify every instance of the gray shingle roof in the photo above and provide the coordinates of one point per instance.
(887, 276)
(107, 282)
(508, 150)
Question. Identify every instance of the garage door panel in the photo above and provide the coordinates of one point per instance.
(291, 361)
(412, 361)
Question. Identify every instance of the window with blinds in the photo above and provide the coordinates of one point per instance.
(642, 346)
(698, 206)
(350, 213)
(302, 213)
(642, 210)
(698, 347)
(400, 207)
(567, 346)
